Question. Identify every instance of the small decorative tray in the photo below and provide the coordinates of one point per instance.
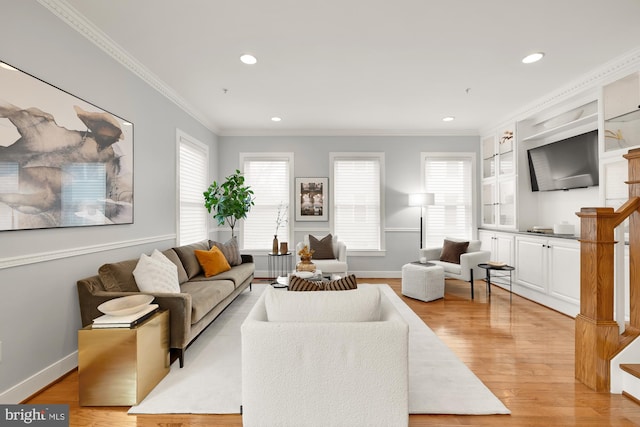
(497, 263)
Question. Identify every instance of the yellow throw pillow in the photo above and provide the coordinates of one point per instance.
(212, 261)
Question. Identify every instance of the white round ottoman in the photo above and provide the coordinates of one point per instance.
(423, 281)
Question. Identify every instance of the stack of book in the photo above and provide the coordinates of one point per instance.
(126, 321)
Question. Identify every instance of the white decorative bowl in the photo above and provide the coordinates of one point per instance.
(125, 305)
(497, 263)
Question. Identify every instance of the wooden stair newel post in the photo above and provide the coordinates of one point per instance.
(596, 331)
(633, 157)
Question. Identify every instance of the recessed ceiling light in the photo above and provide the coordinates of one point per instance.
(248, 59)
(534, 57)
(276, 119)
(448, 119)
(7, 66)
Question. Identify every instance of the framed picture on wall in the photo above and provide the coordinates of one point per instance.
(312, 199)
(63, 161)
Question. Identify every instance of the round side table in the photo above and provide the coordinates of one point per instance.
(497, 268)
(279, 265)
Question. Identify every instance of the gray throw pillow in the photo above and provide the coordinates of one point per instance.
(230, 250)
(323, 248)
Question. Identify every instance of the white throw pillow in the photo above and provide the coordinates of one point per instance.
(156, 275)
(358, 305)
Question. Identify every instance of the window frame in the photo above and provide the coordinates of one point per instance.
(180, 136)
(462, 155)
(363, 155)
(266, 156)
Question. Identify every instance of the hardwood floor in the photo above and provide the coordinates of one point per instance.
(522, 351)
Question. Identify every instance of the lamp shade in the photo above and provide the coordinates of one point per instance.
(421, 199)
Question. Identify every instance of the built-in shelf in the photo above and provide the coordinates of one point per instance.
(628, 117)
(563, 127)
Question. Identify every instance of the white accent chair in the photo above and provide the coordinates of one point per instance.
(468, 269)
(337, 266)
(343, 363)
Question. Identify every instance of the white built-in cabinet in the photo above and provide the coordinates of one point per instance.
(501, 247)
(499, 179)
(499, 244)
(548, 271)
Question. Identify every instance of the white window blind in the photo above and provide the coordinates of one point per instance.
(450, 178)
(357, 201)
(193, 166)
(269, 178)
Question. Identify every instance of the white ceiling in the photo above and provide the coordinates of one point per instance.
(364, 66)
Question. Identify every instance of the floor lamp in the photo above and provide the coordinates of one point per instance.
(422, 200)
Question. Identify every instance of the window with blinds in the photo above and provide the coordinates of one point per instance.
(357, 199)
(450, 178)
(269, 176)
(193, 177)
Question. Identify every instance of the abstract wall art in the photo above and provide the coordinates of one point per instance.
(63, 161)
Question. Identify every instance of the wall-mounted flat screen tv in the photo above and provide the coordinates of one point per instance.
(562, 165)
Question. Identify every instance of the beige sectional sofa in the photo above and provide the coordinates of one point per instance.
(200, 300)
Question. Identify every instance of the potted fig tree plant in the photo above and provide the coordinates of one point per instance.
(230, 200)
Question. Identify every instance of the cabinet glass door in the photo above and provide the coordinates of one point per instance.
(488, 204)
(506, 152)
(488, 157)
(507, 206)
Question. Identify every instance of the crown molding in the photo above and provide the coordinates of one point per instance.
(65, 12)
(591, 81)
(608, 72)
(349, 132)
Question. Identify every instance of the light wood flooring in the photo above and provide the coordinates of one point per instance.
(522, 351)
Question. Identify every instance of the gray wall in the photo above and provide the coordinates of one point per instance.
(402, 169)
(39, 315)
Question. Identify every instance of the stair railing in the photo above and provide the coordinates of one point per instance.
(598, 336)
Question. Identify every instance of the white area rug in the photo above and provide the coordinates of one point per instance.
(439, 383)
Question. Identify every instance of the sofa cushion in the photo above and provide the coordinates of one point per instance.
(118, 276)
(212, 261)
(156, 274)
(173, 257)
(357, 305)
(230, 249)
(237, 274)
(448, 267)
(323, 248)
(205, 295)
(188, 257)
(451, 251)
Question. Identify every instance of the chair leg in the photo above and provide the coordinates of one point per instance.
(471, 282)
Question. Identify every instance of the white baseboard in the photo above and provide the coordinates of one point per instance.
(40, 380)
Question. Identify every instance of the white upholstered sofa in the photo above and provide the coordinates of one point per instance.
(336, 265)
(327, 358)
(467, 269)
